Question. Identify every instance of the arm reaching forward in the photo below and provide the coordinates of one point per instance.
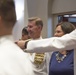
(67, 42)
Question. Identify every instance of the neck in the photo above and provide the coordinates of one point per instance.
(63, 52)
(5, 32)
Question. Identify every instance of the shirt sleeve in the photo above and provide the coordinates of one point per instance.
(67, 42)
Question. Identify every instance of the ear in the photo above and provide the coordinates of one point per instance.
(40, 27)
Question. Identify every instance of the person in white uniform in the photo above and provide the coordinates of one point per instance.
(12, 58)
(38, 61)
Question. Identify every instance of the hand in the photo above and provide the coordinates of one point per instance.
(21, 44)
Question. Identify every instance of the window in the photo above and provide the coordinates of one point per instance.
(68, 18)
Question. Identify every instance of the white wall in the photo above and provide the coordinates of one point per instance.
(50, 19)
(17, 30)
(25, 13)
(61, 6)
(21, 21)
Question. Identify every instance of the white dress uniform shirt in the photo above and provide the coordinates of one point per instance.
(67, 42)
(36, 69)
(12, 58)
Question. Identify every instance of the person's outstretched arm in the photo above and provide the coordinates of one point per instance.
(67, 42)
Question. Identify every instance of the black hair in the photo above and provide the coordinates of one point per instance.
(24, 31)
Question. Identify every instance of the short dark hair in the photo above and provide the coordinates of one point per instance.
(67, 27)
(37, 20)
(24, 31)
(7, 11)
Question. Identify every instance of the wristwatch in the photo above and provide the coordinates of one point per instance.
(26, 43)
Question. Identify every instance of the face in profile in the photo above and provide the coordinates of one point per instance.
(33, 29)
(24, 36)
(58, 31)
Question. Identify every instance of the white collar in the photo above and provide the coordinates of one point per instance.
(38, 38)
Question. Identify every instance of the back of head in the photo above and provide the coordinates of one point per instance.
(67, 27)
(7, 12)
(37, 20)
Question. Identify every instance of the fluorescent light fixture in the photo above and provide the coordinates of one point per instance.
(66, 15)
(74, 15)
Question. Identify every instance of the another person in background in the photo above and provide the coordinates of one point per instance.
(62, 62)
(12, 58)
(25, 35)
(36, 60)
